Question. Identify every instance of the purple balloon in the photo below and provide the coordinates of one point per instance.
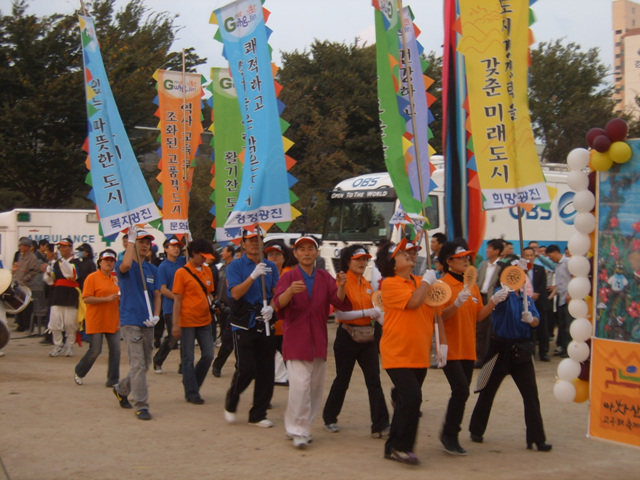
(602, 143)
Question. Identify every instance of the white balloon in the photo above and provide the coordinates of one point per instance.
(579, 266)
(579, 244)
(578, 159)
(579, 351)
(568, 369)
(579, 287)
(585, 222)
(578, 180)
(584, 201)
(578, 308)
(581, 330)
(564, 391)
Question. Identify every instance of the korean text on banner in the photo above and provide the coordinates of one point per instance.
(264, 192)
(228, 143)
(179, 112)
(495, 38)
(121, 193)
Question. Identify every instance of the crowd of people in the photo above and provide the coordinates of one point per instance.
(264, 298)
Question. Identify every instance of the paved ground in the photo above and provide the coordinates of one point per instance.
(50, 428)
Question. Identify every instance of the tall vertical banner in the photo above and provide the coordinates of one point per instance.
(179, 110)
(495, 43)
(614, 410)
(228, 146)
(264, 191)
(120, 191)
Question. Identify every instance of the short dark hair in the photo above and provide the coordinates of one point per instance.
(441, 238)
(386, 265)
(44, 241)
(528, 248)
(231, 248)
(497, 244)
(346, 253)
(199, 245)
(553, 248)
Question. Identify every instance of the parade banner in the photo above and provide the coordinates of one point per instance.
(180, 113)
(228, 145)
(120, 191)
(264, 191)
(495, 43)
(615, 350)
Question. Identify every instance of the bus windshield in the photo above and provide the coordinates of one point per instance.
(358, 221)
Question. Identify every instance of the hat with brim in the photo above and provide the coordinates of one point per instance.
(208, 256)
(273, 248)
(142, 234)
(302, 240)
(413, 246)
(107, 255)
(396, 248)
(360, 253)
(173, 241)
(27, 242)
(246, 234)
(461, 252)
(66, 241)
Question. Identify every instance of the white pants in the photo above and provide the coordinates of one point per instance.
(306, 381)
(281, 369)
(63, 318)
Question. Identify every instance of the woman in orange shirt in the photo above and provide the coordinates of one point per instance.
(102, 296)
(460, 315)
(405, 344)
(353, 261)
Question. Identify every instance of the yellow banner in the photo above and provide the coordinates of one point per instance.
(615, 391)
(495, 45)
(181, 127)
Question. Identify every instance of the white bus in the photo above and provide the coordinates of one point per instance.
(360, 208)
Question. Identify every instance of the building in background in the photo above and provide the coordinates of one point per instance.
(626, 61)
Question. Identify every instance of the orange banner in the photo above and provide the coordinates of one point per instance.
(615, 391)
(180, 126)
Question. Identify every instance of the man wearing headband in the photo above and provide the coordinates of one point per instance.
(255, 349)
(62, 276)
(303, 297)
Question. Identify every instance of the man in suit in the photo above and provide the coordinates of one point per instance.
(488, 279)
(537, 278)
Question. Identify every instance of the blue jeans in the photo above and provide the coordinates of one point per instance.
(193, 376)
(95, 348)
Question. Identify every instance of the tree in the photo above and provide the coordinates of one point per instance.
(568, 95)
(43, 100)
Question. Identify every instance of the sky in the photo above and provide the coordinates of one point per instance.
(297, 23)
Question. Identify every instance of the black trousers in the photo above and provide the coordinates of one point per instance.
(226, 345)
(167, 344)
(458, 373)
(525, 377)
(541, 334)
(407, 395)
(255, 353)
(347, 353)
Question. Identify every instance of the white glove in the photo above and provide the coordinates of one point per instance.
(523, 264)
(429, 277)
(151, 322)
(441, 357)
(133, 233)
(267, 312)
(500, 296)
(463, 296)
(261, 269)
(527, 317)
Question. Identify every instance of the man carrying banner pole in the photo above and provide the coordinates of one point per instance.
(137, 320)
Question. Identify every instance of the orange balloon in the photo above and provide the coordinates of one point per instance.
(582, 390)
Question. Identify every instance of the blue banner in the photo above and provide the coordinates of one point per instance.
(120, 191)
(264, 191)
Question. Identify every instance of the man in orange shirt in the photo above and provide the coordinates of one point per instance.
(192, 290)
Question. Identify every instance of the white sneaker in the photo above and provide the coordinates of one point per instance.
(332, 427)
(68, 352)
(299, 441)
(264, 423)
(77, 379)
(229, 417)
(56, 352)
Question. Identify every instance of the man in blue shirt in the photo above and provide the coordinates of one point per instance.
(136, 321)
(166, 272)
(250, 319)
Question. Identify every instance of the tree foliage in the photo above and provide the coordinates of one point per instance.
(568, 95)
(43, 100)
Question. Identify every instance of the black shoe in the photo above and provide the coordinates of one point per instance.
(541, 446)
(476, 438)
(156, 343)
(545, 358)
(196, 400)
(452, 447)
(143, 414)
(281, 384)
(124, 401)
(216, 372)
